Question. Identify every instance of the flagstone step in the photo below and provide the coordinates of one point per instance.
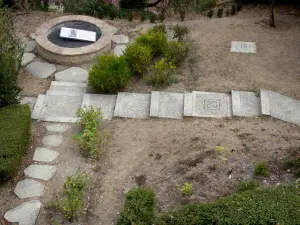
(245, 104)
(68, 86)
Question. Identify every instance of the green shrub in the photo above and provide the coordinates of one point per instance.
(187, 188)
(261, 169)
(72, 205)
(204, 5)
(293, 162)
(138, 57)
(220, 12)
(109, 74)
(160, 28)
(247, 186)
(180, 32)
(160, 74)
(152, 17)
(139, 208)
(210, 13)
(176, 52)
(15, 128)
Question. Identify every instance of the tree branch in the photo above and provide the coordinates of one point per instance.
(154, 4)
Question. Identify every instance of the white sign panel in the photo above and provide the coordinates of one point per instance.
(243, 47)
(76, 34)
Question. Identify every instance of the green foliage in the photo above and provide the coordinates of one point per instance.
(187, 188)
(204, 5)
(220, 151)
(138, 57)
(220, 12)
(152, 17)
(210, 13)
(247, 186)
(91, 140)
(160, 28)
(176, 52)
(130, 15)
(11, 53)
(181, 6)
(143, 16)
(139, 208)
(161, 16)
(109, 74)
(160, 74)
(293, 162)
(72, 204)
(233, 9)
(180, 32)
(261, 169)
(15, 128)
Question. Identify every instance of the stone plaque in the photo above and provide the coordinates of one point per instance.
(243, 47)
(76, 34)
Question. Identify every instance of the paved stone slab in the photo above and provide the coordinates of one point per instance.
(243, 47)
(57, 128)
(104, 102)
(29, 188)
(36, 113)
(68, 86)
(120, 39)
(29, 46)
(280, 106)
(27, 58)
(167, 105)
(28, 100)
(245, 104)
(188, 104)
(132, 105)
(53, 140)
(119, 50)
(41, 69)
(45, 155)
(211, 104)
(24, 214)
(43, 172)
(73, 74)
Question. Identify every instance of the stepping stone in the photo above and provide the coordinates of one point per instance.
(28, 100)
(45, 155)
(29, 188)
(53, 140)
(27, 58)
(243, 47)
(57, 128)
(43, 172)
(119, 50)
(73, 74)
(167, 105)
(132, 105)
(120, 39)
(280, 106)
(245, 104)
(68, 86)
(29, 46)
(24, 214)
(105, 103)
(208, 104)
(41, 69)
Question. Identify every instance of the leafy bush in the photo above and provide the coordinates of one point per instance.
(152, 17)
(261, 169)
(161, 73)
(160, 28)
(109, 74)
(187, 188)
(220, 12)
(180, 32)
(10, 60)
(247, 186)
(176, 52)
(72, 205)
(138, 57)
(15, 128)
(210, 13)
(204, 5)
(139, 208)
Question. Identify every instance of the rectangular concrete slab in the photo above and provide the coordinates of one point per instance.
(68, 86)
(38, 107)
(132, 105)
(211, 104)
(265, 102)
(243, 47)
(281, 107)
(245, 104)
(167, 105)
(188, 104)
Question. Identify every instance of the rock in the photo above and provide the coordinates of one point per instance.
(53, 140)
(27, 58)
(57, 128)
(32, 35)
(24, 214)
(44, 155)
(73, 74)
(29, 46)
(119, 50)
(43, 172)
(120, 39)
(29, 188)
(41, 69)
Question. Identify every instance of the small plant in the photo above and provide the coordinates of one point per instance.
(220, 150)
(247, 186)
(187, 188)
(152, 17)
(227, 12)
(220, 12)
(72, 205)
(180, 32)
(160, 74)
(233, 10)
(261, 169)
(143, 16)
(130, 16)
(182, 13)
(160, 28)
(161, 16)
(176, 52)
(205, 5)
(210, 13)
(293, 162)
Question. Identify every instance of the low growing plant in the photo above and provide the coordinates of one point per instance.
(293, 162)
(210, 13)
(220, 12)
(176, 52)
(233, 9)
(152, 17)
(187, 188)
(180, 32)
(160, 28)
(247, 185)
(220, 150)
(261, 169)
(204, 5)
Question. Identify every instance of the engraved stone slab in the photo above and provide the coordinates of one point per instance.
(132, 105)
(280, 106)
(245, 104)
(77, 34)
(43, 172)
(44, 155)
(29, 188)
(211, 104)
(243, 47)
(166, 105)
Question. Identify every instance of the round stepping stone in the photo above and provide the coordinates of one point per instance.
(119, 50)
(53, 140)
(27, 58)
(41, 69)
(120, 39)
(29, 46)
(57, 128)
(43, 172)
(45, 155)
(29, 188)
(24, 214)
(73, 74)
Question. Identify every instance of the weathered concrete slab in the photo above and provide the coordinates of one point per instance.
(29, 46)
(73, 74)
(119, 50)
(53, 140)
(120, 39)
(45, 155)
(41, 69)
(167, 105)
(243, 47)
(280, 106)
(245, 104)
(57, 128)
(36, 113)
(105, 103)
(24, 214)
(188, 104)
(27, 58)
(68, 86)
(211, 104)
(132, 105)
(29, 188)
(43, 172)
(30, 101)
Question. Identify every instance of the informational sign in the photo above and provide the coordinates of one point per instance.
(76, 34)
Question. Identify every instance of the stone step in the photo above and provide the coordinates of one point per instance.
(73, 74)
(245, 104)
(64, 93)
(68, 86)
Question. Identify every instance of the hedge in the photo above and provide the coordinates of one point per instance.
(15, 127)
